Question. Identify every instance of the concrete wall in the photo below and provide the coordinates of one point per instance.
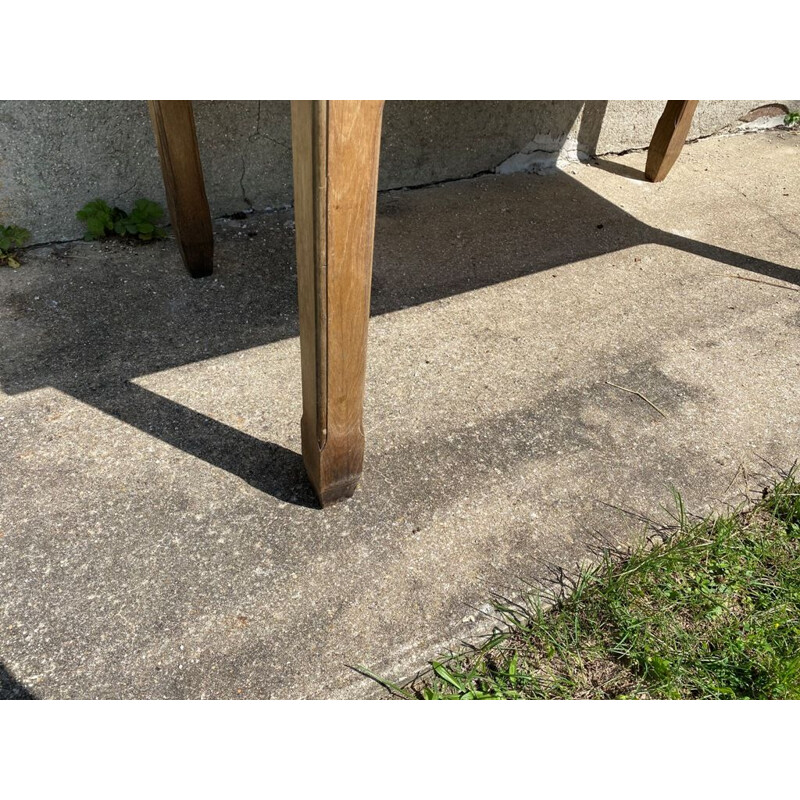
(55, 156)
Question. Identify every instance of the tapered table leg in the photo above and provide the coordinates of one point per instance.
(335, 151)
(669, 138)
(173, 125)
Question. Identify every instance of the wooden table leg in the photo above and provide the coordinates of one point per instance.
(173, 124)
(669, 138)
(335, 151)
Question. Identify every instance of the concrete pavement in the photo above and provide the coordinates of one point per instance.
(157, 535)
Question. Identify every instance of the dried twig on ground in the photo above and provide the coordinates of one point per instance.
(638, 394)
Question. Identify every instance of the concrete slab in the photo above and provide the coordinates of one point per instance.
(157, 536)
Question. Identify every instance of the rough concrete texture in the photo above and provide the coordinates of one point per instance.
(157, 536)
(56, 156)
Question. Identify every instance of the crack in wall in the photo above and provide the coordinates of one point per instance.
(536, 159)
(127, 191)
(722, 132)
(276, 141)
(260, 135)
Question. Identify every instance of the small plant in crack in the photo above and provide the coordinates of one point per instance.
(141, 223)
(12, 237)
(792, 119)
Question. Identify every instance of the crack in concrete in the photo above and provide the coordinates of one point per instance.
(241, 184)
(720, 132)
(276, 141)
(567, 155)
(259, 135)
(127, 191)
(403, 188)
(416, 186)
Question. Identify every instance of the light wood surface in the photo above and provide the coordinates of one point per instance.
(173, 125)
(669, 138)
(335, 148)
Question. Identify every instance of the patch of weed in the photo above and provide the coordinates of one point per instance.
(102, 220)
(12, 237)
(708, 609)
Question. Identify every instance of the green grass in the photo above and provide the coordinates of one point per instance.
(707, 609)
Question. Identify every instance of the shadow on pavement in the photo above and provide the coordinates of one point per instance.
(89, 326)
(11, 689)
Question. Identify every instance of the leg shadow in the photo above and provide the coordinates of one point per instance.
(266, 466)
(11, 688)
(723, 256)
(623, 170)
(591, 124)
(589, 135)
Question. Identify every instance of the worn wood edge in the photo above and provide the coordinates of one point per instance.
(320, 141)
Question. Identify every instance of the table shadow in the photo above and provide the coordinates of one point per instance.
(90, 327)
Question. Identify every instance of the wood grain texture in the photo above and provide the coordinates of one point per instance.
(669, 138)
(335, 148)
(173, 125)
